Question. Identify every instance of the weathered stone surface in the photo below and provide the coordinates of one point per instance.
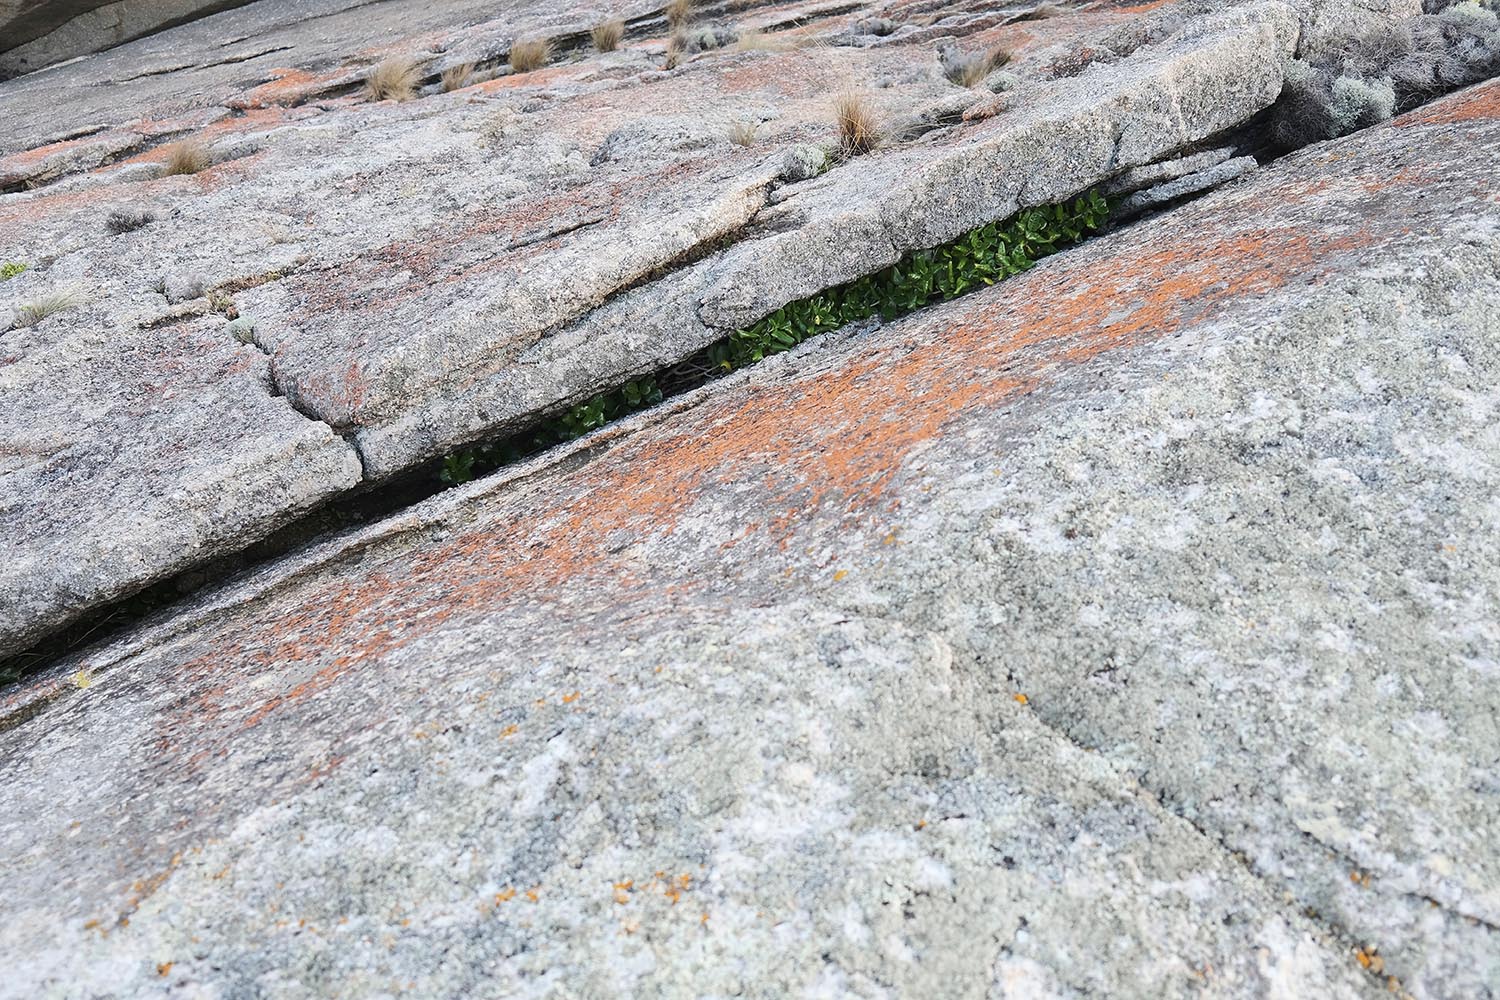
(1182, 187)
(127, 453)
(730, 697)
(36, 33)
(427, 273)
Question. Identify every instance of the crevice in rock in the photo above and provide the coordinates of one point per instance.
(375, 500)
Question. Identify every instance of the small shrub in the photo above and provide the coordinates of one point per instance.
(33, 313)
(608, 34)
(859, 132)
(10, 269)
(968, 69)
(186, 157)
(679, 12)
(675, 46)
(393, 79)
(222, 302)
(1358, 104)
(457, 77)
(743, 133)
(126, 220)
(529, 55)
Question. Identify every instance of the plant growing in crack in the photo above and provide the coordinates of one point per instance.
(529, 55)
(10, 269)
(858, 129)
(981, 257)
(394, 78)
(607, 35)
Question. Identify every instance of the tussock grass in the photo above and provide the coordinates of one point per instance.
(37, 310)
(529, 55)
(457, 77)
(755, 40)
(607, 35)
(679, 12)
(858, 127)
(393, 79)
(186, 157)
(971, 69)
(742, 133)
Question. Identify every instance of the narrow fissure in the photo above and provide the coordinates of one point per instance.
(920, 278)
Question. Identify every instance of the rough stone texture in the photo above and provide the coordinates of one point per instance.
(1124, 629)
(1182, 187)
(428, 273)
(36, 33)
(129, 451)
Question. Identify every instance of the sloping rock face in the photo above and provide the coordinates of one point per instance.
(418, 275)
(37, 33)
(1124, 629)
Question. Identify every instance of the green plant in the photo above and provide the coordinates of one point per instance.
(980, 257)
(10, 269)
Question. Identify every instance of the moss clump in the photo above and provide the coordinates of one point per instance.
(10, 269)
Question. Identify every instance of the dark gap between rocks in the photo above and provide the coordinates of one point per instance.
(373, 502)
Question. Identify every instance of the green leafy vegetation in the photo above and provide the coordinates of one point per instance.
(10, 269)
(979, 258)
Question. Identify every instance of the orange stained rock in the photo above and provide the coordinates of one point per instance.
(801, 442)
(1482, 103)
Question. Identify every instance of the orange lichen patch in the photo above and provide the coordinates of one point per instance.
(505, 895)
(1021, 699)
(803, 442)
(509, 731)
(289, 86)
(568, 699)
(542, 77)
(164, 968)
(1479, 103)
(1139, 8)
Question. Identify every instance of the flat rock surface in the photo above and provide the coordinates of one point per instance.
(428, 273)
(1124, 629)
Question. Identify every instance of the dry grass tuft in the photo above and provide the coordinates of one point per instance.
(755, 40)
(186, 157)
(742, 133)
(529, 55)
(676, 49)
(34, 312)
(970, 70)
(679, 12)
(457, 77)
(859, 132)
(393, 79)
(608, 35)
